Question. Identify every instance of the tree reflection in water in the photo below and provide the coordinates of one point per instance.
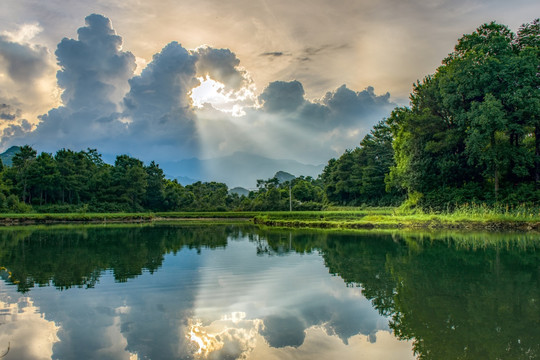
(456, 296)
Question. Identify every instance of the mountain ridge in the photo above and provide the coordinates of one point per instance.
(238, 169)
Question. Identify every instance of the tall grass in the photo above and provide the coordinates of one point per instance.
(520, 212)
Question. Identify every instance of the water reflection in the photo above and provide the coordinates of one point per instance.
(168, 292)
(24, 331)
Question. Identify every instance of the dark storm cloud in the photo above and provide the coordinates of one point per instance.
(340, 108)
(8, 112)
(221, 65)
(93, 74)
(94, 69)
(158, 103)
(24, 63)
(350, 105)
(17, 129)
(164, 84)
(281, 96)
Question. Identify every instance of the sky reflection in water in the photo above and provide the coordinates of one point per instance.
(231, 292)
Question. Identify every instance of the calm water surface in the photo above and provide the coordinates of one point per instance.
(240, 292)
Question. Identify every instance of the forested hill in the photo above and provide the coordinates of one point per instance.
(7, 155)
(470, 134)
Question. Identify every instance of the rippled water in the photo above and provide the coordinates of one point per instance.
(240, 292)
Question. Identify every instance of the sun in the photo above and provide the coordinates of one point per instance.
(214, 93)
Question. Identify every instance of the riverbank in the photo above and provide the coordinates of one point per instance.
(375, 218)
(389, 218)
(105, 218)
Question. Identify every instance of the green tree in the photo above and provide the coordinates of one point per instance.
(176, 197)
(208, 196)
(527, 95)
(487, 143)
(22, 164)
(155, 190)
(358, 176)
(129, 181)
(471, 126)
(47, 178)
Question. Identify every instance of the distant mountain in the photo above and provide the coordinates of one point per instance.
(239, 169)
(184, 180)
(240, 191)
(283, 176)
(7, 155)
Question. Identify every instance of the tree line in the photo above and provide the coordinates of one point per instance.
(470, 134)
(71, 181)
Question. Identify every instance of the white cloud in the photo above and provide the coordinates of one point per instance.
(24, 33)
(25, 331)
(27, 80)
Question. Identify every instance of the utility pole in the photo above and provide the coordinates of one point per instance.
(290, 197)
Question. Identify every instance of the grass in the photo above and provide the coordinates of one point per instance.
(468, 216)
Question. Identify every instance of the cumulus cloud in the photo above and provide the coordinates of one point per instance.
(158, 105)
(26, 79)
(221, 65)
(94, 69)
(23, 63)
(8, 112)
(93, 75)
(289, 125)
(281, 96)
(161, 113)
(355, 104)
(339, 108)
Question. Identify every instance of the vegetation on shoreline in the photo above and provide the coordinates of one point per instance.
(392, 220)
(471, 217)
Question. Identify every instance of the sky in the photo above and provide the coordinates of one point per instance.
(170, 80)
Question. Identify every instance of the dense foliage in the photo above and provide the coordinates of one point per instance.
(470, 134)
(81, 181)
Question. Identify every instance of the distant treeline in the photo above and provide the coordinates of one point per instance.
(470, 134)
(81, 181)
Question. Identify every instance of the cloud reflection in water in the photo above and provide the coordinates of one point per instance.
(24, 331)
(282, 317)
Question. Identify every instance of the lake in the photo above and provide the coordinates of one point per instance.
(242, 292)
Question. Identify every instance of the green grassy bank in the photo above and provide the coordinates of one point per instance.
(465, 217)
(59, 218)
(470, 217)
